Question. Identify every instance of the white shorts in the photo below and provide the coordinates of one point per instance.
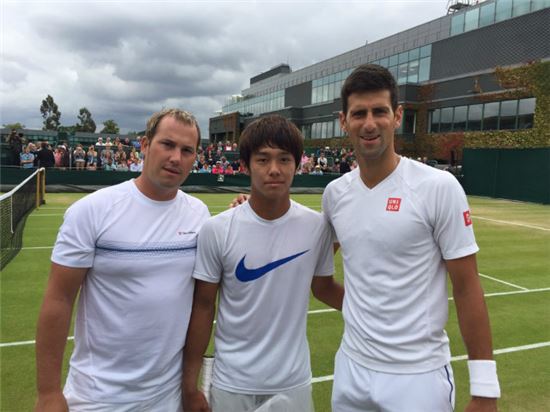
(169, 401)
(358, 389)
(294, 400)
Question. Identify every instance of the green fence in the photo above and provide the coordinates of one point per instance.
(518, 174)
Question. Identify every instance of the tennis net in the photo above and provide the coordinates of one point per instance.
(15, 206)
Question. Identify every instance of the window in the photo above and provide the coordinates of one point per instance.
(526, 111)
(446, 123)
(434, 121)
(426, 51)
(475, 112)
(490, 115)
(520, 7)
(424, 69)
(460, 117)
(408, 122)
(457, 24)
(403, 57)
(414, 54)
(503, 10)
(487, 14)
(539, 4)
(508, 111)
(337, 129)
(393, 60)
(472, 17)
(413, 72)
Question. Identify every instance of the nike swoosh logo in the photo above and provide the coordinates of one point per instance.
(246, 275)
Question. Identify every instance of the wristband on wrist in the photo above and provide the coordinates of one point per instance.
(483, 378)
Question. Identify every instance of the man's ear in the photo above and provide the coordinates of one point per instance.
(342, 118)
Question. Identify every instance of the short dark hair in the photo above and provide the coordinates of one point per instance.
(272, 131)
(369, 78)
(178, 114)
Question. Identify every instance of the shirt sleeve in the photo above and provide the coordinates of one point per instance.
(453, 228)
(75, 244)
(208, 264)
(325, 263)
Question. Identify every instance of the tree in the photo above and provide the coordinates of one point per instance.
(110, 126)
(15, 126)
(50, 113)
(86, 124)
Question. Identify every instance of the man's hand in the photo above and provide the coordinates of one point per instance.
(479, 404)
(195, 402)
(53, 402)
(239, 200)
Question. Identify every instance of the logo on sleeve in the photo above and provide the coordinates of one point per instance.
(246, 275)
(394, 203)
(467, 218)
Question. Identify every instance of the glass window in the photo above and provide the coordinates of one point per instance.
(446, 121)
(325, 93)
(314, 95)
(472, 18)
(508, 111)
(403, 57)
(337, 129)
(393, 60)
(385, 62)
(424, 69)
(393, 71)
(503, 10)
(408, 123)
(402, 74)
(475, 112)
(426, 51)
(413, 72)
(459, 122)
(414, 54)
(520, 7)
(487, 14)
(490, 115)
(434, 120)
(457, 24)
(526, 112)
(539, 4)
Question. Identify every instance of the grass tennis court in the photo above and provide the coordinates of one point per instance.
(514, 263)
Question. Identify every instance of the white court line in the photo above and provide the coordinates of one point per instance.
(512, 223)
(45, 214)
(460, 358)
(502, 281)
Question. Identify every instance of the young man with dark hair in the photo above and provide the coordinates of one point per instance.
(132, 267)
(402, 226)
(263, 257)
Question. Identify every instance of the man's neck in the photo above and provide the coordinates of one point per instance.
(269, 209)
(374, 171)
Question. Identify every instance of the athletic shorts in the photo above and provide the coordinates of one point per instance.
(169, 401)
(294, 400)
(358, 389)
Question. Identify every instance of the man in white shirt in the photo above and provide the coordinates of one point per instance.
(263, 257)
(402, 226)
(133, 269)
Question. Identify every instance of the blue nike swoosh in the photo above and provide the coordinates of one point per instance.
(246, 275)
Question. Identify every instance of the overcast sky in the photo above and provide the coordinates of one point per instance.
(124, 60)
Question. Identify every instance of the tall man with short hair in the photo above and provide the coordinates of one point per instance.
(129, 250)
(263, 257)
(402, 226)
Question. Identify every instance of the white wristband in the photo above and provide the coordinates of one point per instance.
(483, 378)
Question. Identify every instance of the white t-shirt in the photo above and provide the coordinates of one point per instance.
(264, 268)
(135, 302)
(394, 239)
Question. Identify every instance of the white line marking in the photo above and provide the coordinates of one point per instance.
(45, 214)
(502, 281)
(460, 358)
(23, 343)
(503, 222)
(36, 247)
(515, 292)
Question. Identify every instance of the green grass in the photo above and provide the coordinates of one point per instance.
(515, 254)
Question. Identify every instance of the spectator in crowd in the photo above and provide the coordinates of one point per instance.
(58, 156)
(127, 142)
(15, 142)
(307, 167)
(137, 164)
(108, 141)
(107, 160)
(322, 162)
(79, 157)
(224, 162)
(218, 168)
(234, 147)
(235, 164)
(45, 156)
(121, 165)
(317, 171)
(344, 165)
(106, 152)
(99, 141)
(229, 170)
(91, 158)
(26, 158)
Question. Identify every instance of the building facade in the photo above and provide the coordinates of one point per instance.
(445, 68)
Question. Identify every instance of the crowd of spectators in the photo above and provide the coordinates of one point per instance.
(220, 158)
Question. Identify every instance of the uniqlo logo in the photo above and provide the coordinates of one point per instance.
(467, 218)
(394, 203)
